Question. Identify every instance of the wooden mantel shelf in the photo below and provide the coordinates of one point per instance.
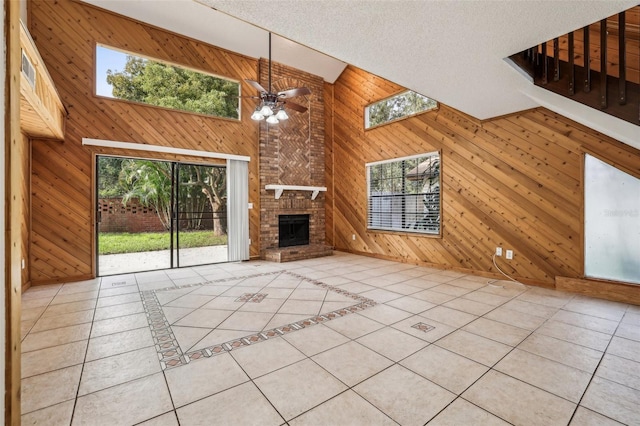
(315, 190)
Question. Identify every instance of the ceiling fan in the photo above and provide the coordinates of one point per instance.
(272, 104)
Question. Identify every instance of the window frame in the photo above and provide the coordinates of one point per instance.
(169, 63)
(365, 115)
(409, 231)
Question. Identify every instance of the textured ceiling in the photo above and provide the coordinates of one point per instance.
(200, 22)
(452, 51)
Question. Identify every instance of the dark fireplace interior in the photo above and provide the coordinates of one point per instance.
(293, 230)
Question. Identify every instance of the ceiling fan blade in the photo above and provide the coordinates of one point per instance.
(296, 107)
(257, 86)
(299, 91)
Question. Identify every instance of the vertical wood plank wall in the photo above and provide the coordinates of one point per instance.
(15, 152)
(514, 181)
(66, 32)
(25, 197)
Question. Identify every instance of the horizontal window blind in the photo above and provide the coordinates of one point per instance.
(404, 195)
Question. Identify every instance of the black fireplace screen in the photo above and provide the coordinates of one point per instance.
(293, 230)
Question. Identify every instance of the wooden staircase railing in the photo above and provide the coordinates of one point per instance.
(598, 65)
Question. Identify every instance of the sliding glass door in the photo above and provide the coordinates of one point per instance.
(200, 214)
(157, 215)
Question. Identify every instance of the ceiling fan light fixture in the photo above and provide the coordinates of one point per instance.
(272, 103)
(257, 115)
(266, 111)
(282, 114)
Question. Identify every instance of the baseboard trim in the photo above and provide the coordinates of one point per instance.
(488, 275)
(62, 280)
(602, 289)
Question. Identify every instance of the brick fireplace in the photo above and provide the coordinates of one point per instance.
(293, 230)
(292, 153)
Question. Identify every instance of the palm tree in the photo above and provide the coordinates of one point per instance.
(150, 183)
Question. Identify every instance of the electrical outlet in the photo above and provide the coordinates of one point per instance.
(353, 237)
(498, 251)
(509, 255)
(249, 241)
(24, 264)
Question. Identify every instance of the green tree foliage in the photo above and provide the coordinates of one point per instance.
(399, 106)
(109, 177)
(210, 183)
(150, 183)
(173, 87)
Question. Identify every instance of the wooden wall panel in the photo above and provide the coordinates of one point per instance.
(66, 33)
(15, 157)
(329, 163)
(514, 181)
(25, 196)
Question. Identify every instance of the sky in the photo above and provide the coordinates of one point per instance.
(107, 59)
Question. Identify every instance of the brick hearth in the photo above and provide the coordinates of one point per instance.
(287, 254)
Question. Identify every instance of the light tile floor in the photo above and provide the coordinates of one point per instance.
(340, 340)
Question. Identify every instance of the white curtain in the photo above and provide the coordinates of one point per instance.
(238, 209)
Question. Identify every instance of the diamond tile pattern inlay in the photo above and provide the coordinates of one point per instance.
(306, 297)
(423, 327)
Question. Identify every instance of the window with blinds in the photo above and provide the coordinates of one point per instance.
(404, 194)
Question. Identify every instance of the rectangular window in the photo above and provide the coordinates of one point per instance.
(123, 75)
(611, 222)
(396, 107)
(404, 194)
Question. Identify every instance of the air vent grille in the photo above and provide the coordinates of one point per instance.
(28, 70)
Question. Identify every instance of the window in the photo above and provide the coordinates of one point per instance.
(396, 107)
(611, 222)
(404, 194)
(123, 75)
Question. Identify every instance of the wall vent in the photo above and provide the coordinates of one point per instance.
(28, 70)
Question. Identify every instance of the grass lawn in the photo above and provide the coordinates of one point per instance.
(124, 242)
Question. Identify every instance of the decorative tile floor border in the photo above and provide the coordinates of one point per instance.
(423, 327)
(170, 354)
(252, 297)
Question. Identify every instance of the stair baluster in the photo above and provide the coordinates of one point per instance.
(545, 64)
(556, 59)
(587, 60)
(603, 64)
(576, 76)
(622, 55)
(572, 67)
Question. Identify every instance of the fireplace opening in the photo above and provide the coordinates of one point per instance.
(293, 230)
